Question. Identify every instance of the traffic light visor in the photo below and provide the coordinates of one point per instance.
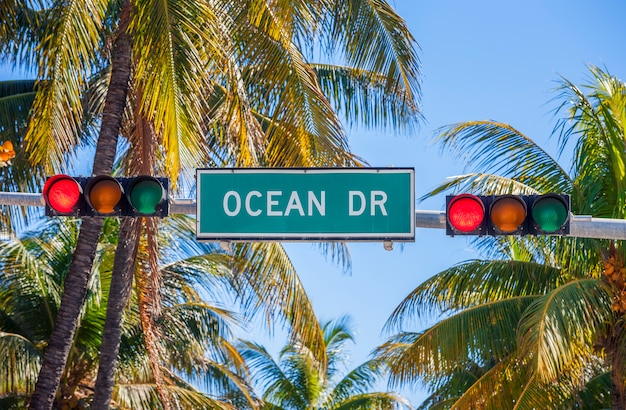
(465, 212)
(62, 193)
(103, 194)
(550, 213)
(508, 213)
(146, 194)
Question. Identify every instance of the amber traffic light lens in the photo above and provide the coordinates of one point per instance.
(104, 194)
(465, 213)
(508, 214)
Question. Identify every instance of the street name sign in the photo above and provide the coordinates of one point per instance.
(312, 204)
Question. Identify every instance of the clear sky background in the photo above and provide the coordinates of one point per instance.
(487, 59)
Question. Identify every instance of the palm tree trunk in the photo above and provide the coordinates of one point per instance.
(148, 287)
(121, 285)
(66, 323)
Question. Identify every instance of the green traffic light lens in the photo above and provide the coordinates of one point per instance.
(550, 213)
(146, 195)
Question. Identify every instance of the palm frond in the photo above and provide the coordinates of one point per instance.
(377, 40)
(472, 283)
(376, 401)
(359, 380)
(481, 183)
(67, 63)
(278, 385)
(298, 20)
(300, 125)
(360, 96)
(596, 393)
(237, 129)
(176, 37)
(500, 149)
(485, 329)
(266, 275)
(495, 389)
(599, 161)
(144, 396)
(559, 327)
(23, 26)
(20, 365)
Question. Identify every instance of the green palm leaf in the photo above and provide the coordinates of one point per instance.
(374, 401)
(472, 283)
(375, 39)
(558, 327)
(266, 274)
(495, 389)
(68, 60)
(361, 97)
(485, 329)
(599, 162)
(501, 149)
(20, 364)
(175, 37)
(481, 183)
(279, 386)
(144, 396)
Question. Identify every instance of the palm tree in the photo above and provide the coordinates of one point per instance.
(299, 381)
(543, 316)
(195, 333)
(239, 71)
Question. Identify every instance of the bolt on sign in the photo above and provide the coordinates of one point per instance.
(312, 204)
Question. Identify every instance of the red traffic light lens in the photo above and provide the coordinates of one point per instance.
(62, 193)
(103, 194)
(508, 213)
(465, 212)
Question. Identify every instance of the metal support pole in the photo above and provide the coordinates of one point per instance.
(21, 199)
(581, 226)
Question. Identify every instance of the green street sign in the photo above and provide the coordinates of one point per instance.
(251, 204)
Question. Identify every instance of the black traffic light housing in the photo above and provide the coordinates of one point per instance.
(495, 215)
(104, 195)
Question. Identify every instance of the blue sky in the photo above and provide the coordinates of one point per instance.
(480, 60)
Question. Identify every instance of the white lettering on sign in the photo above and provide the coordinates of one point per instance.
(227, 210)
(249, 209)
(352, 211)
(271, 202)
(253, 206)
(321, 206)
(377, 199)
(294, 204)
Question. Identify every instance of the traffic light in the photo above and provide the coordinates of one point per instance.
(547, 214)
(104, 195)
